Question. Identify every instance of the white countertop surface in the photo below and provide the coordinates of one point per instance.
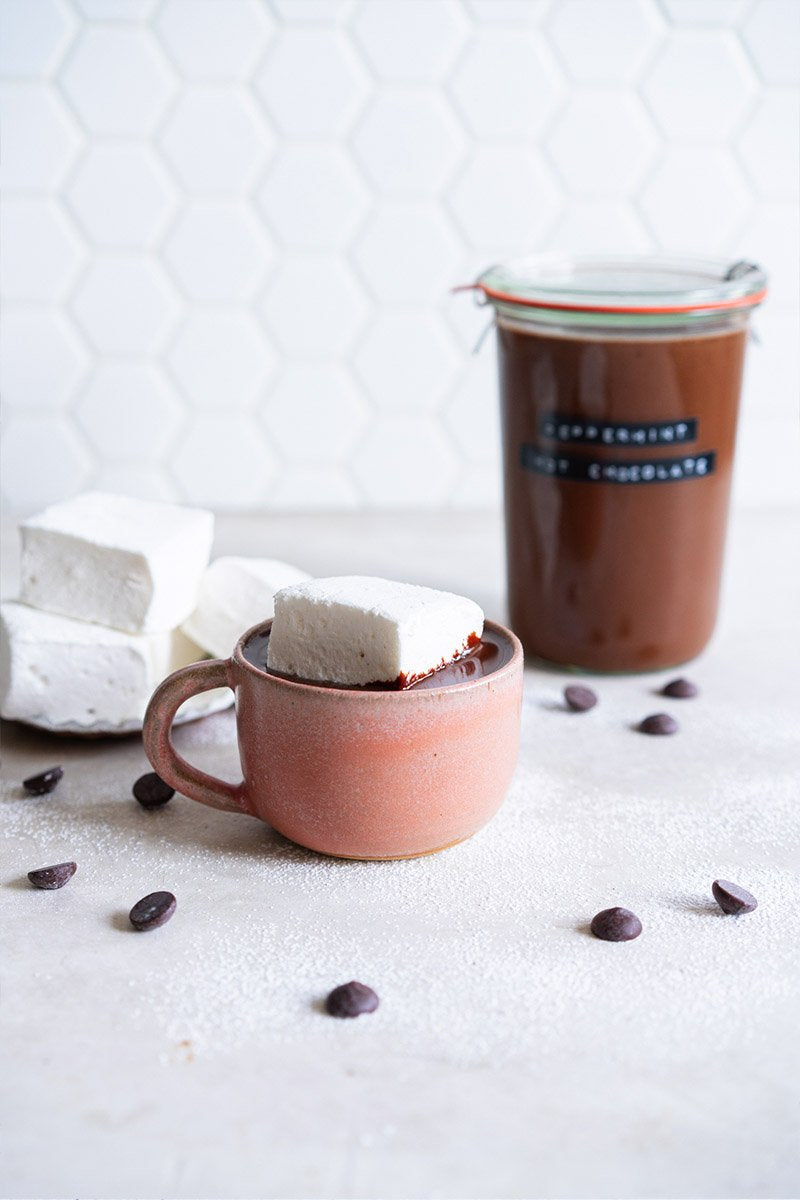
(513, 1055)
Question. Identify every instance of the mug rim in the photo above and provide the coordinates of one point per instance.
(398, 695)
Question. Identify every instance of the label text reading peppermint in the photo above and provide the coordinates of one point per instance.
(608, 433)
(625, 471)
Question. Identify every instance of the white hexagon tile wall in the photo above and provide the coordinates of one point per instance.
(230, 227)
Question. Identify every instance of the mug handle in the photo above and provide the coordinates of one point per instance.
(157, 736)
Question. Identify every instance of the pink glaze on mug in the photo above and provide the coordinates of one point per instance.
(352, 773)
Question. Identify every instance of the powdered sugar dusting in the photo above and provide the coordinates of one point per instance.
(480, 955)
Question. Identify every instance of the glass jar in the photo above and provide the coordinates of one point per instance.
(619, 388)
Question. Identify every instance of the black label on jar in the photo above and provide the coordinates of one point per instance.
(610, 433)
(621, 470)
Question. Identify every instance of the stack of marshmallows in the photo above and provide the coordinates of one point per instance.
(115, 594)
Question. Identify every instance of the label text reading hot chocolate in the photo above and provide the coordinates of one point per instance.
(655, 470)
(609, 433)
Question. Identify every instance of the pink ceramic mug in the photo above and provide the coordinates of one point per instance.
(354, 773)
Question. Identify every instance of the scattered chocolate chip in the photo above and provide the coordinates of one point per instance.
(51, 878)
(153, 910)
(616, 925)
(151, 791)
(351, 1000)
(40, 785)
(731, 898)
(680, 689)
(579, 699)
(658, 723)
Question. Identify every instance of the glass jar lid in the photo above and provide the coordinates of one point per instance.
(639, 286)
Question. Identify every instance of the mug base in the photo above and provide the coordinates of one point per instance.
(387, 857)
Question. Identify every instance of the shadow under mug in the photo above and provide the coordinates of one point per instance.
(351, 772)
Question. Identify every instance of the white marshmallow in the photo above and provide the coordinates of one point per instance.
(356, 629)
(236, 593)
(131, 564)
(60, 673)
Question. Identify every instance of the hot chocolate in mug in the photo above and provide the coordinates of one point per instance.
(355, 772)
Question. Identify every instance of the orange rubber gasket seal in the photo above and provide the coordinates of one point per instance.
(712, 306)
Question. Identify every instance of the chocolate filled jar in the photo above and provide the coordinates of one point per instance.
(619, 388)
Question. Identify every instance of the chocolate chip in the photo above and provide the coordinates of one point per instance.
(51, 878)
(351, 1000)
(153, 910)
(40, 785)
(151, 791)
(579, 699)
(658, 723)
(731, 898)
(680, 689)
(616, 925)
